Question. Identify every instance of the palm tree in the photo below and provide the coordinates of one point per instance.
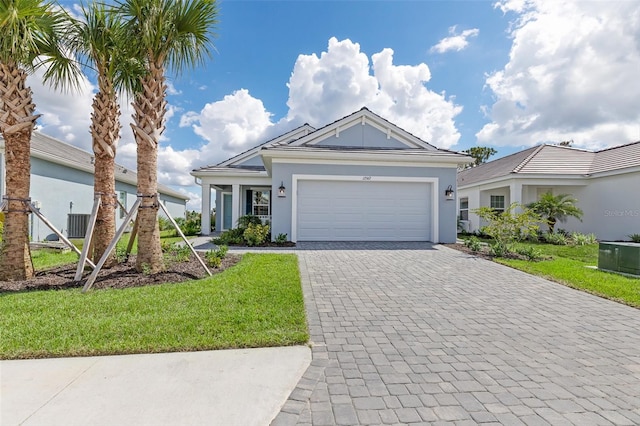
(554, 208)
(30, 37)
(99, 40)
(173, 35)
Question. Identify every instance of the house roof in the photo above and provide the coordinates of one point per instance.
(285, 138)
(50, 149)
(364, 115)
(555, 160)
(304, 138)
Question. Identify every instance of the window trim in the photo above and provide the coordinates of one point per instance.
(254, 204)
(493, 206)
(463, 209)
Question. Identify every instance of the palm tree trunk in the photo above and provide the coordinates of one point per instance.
(16, 124)
(105, 131)
(150, 107)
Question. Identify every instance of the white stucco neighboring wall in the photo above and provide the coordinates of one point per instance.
(612, 206)
(610, 202)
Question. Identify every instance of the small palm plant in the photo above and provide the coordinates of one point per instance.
(556, 208)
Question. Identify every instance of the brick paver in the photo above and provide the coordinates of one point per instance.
(408, 333)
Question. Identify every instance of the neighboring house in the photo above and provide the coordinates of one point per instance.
(360, 178)
(606, 184)
(62, 187)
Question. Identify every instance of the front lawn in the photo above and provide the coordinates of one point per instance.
(257, 303)
(568, 265)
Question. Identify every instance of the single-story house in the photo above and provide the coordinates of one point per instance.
(605, 183)
(360, 178)
(62, 187)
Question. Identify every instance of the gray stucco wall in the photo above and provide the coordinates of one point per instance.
(281, 207)
(253, 161)
(55, 186)
(362, 136)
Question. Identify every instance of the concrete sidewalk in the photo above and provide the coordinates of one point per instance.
(228, 387)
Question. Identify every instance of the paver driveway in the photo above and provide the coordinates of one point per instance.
(414, 333)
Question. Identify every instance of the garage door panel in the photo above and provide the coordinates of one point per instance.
(363, 211)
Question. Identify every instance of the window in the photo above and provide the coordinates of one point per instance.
(497, 203)
(123, 204)
(261, 203)
(464, 208)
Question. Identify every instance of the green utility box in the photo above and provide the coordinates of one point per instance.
(619, 257)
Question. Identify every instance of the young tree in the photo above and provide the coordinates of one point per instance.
(509, 226)
(29, 38)
(480, 154)
(556, 208)
(98, 39)
(167, 34)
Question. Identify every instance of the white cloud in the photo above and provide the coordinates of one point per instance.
(231, 125)
(455, 41)
(572, 74)
(339, 82)
(65, 115)
(171, 89)
(323, 89)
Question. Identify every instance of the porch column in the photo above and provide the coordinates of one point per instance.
(205, 220)
(235, 204)
(515, 190)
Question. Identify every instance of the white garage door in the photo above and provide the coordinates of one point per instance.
(363, 211)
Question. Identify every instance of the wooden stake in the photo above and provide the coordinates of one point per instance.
(112, 245)
(88, 238)
(132, 237)
(164, 209)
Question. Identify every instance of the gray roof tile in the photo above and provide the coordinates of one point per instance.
(51, 149)
(555, 160)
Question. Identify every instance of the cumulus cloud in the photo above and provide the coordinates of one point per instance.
(65, 115)
(572, 74)
(456, 42)
(323, 89)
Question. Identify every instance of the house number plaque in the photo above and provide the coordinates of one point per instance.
(366, 177)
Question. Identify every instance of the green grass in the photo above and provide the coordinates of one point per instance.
(45, 258)
(568, 265)
(257, 303)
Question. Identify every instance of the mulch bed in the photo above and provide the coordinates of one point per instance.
(483, 253)
(461, 247)
(122, 275)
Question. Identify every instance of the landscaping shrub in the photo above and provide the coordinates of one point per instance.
(473, 244)
(508, 226)
(214, 257)
(498, 249)
(255, 235)
(530, 252)
(249, 219)
(164, 224)
(583, 239)
(230, 237)
(176, 252)
(281, 239)
(190, 225)
(250, 231)
(557, 239)
(634, 237)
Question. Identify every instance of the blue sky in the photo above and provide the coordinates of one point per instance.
(507, 74)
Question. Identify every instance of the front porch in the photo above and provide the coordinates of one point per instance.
(233, 201)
